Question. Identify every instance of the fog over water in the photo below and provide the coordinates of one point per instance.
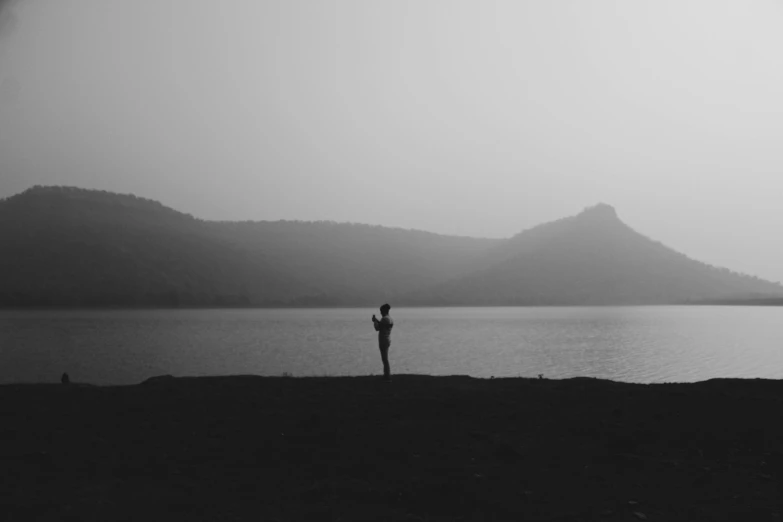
(453, 116)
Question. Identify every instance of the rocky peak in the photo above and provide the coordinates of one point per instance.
(599, 212)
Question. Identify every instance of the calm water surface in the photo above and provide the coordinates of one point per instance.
(637, 344)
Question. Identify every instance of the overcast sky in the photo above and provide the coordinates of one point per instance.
(475, 117)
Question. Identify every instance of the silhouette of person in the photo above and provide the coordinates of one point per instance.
(384, 327)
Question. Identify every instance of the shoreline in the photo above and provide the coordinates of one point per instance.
(182, 379)
(738, 303)
(418, 448)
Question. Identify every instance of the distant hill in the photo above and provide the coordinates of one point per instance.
(74, 247)
(592, 258)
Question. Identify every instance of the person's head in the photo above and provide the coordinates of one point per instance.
(385, 309)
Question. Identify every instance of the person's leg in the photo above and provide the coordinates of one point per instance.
(385, 359)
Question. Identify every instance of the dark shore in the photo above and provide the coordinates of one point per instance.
(419, 448)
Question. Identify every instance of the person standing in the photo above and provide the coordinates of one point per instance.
(384, 327)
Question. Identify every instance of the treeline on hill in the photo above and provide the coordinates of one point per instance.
(67, 247)
(73, 247)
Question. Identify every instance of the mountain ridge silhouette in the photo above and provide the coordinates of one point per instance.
(591, 258)
(71, 247)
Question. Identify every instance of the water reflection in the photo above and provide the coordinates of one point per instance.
(637, 344)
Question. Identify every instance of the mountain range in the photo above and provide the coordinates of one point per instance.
(70, 247)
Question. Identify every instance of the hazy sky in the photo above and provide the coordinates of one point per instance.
(465, 117)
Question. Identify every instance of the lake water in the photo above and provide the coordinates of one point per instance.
(636, 344)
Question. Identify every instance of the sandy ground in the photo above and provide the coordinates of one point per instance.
(420, 448)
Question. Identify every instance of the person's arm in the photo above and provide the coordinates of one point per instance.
(376, 323)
